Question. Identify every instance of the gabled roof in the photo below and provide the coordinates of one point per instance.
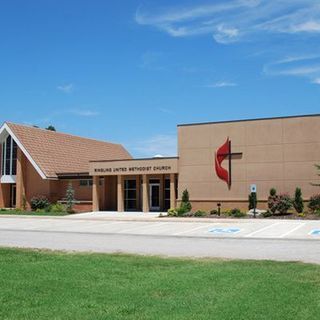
(53, 153)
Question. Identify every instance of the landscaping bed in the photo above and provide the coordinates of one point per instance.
(32, 213)
(280, 206)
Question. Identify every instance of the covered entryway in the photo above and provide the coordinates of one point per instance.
(138, 185)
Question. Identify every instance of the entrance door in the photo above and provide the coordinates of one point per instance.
(155, 196)
(13, 194)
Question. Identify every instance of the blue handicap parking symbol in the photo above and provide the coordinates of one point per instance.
(224, 230)
(315, 232)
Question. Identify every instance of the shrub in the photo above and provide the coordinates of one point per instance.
(57, 208)
(284, 203)
(273, 201)
(267, 214)
(177, 212)
(39, 202)
(314, 204)
(182, 210)
(214, 212)
(184, 207)
(252, 200)
(172, 213)
(237, 213)
(200, 213)
(185, 202)
(298, 201)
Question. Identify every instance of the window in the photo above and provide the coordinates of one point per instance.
(9, 157)
(130, 195)
(86, 183)
(89, 182)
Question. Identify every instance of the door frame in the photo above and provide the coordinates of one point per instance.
(151, 185)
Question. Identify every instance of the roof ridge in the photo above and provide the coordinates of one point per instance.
(61, 133)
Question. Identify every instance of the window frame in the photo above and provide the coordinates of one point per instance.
(8, 162)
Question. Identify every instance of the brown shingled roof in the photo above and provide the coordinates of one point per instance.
(57, 153)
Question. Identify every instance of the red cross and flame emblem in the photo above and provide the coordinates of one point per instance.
(224, 152)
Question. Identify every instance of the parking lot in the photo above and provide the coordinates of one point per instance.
(229, 238)
(231, 228)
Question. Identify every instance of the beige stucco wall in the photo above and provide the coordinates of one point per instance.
(278, 153)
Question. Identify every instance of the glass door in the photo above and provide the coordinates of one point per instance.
(155, 196)
(130, 195)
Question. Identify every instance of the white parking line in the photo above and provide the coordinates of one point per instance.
(98, 224)
(158, 224)
(194, 229)
(262, 229)
(292, 230)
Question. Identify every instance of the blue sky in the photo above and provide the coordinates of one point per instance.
(129, 71)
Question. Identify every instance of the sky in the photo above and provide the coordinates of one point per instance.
(129, 71)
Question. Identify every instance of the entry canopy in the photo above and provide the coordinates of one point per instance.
(134, 167)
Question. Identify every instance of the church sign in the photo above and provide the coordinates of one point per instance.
(134, 167)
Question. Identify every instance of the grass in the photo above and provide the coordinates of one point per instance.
(32, 213)
(46, 285)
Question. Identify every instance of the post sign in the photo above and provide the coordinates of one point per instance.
(253, 188)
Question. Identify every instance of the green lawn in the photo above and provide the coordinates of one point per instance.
(45, 285)
(32, 213)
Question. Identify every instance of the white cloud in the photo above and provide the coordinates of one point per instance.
(309, 26)
(297, 66)
(163, 144)
(226, 34)
(230, 21)
(165, 110)
(84, 113)
(67, 88)
(221, 84)
(316, 81)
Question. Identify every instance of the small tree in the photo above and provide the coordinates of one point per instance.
(253, 200)
(24, 202)
(70, 197)
(317, 184)
(298, 201)
(51, 128)
(273, 200)
(185, 201)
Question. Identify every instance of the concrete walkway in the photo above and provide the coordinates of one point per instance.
(284, 240)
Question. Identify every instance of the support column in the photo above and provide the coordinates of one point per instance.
(138, 185)
(161, 195)
(20, 182)
(103, 194)
(172, 191)
(145, 194)
(95, 194)
(120, 194)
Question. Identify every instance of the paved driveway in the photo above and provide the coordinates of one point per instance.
(229, 238)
